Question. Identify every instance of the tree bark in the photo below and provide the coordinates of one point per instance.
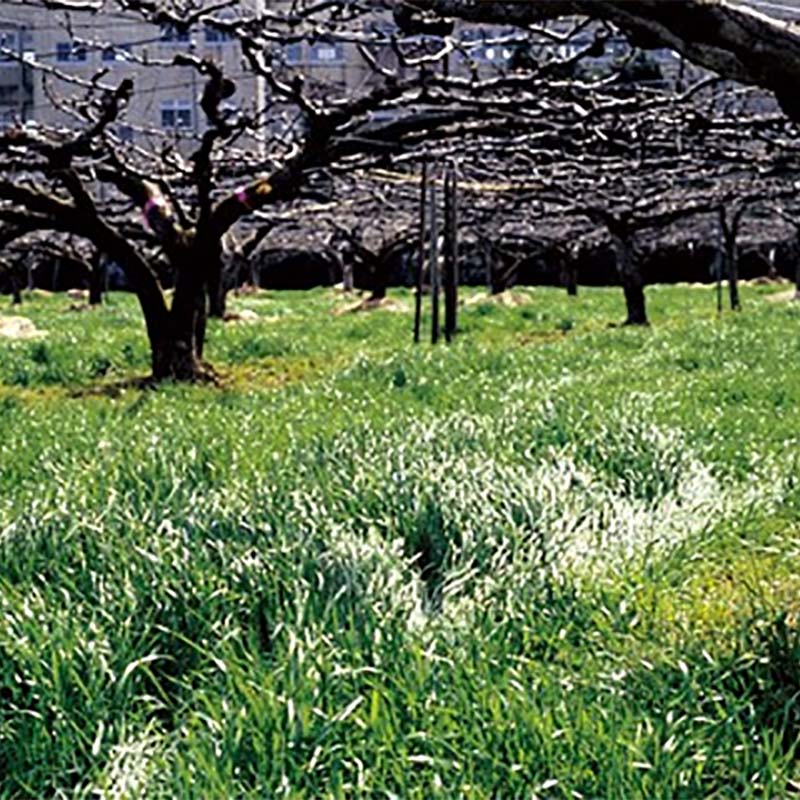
(635, 303)
(178, 352)
(217, 288)
(217, 296)
(176, 359)
(379, 283)
(381, 270)
(569, 274)
(97, 280)
(16, 291)
(347, 276)
(178, 348)
(200, 318)
(729, 227)
(488, 265)
(732, 263)
(631, 277)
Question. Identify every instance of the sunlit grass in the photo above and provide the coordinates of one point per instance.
(554, 559)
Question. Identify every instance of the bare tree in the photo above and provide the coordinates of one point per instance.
(728, 38)
(189, 203)
(565, 148)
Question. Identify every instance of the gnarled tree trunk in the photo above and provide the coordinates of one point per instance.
(217, 296)
(732, 263)
(16, 291)
(729, 226)
(177, 353)
(97, 280)
(633, 288)
(381, 269)
(216, 287)
(177, 346)
(568, 272)
(175, 359)
(631, 277)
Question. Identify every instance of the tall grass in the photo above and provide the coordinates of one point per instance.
(548, 561)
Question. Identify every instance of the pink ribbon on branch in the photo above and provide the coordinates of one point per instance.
(153, 202)
(241, 195)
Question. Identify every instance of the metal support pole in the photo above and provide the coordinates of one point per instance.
(434, 266)
(451, 252)
(423, 196)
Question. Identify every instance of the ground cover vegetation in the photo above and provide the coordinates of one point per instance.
(553, 559)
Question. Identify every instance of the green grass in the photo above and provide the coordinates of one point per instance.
(554, 559)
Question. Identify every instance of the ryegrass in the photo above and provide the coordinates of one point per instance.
(554, 559)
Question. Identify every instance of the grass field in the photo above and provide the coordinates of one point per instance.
(552, 560)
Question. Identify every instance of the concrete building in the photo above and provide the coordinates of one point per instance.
(166, 97)
(16, 79)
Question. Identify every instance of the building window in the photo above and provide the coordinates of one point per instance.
(293, 53)
(327, 53)
(173, 35)
(216, 36)
(67, 51)
(176, 115)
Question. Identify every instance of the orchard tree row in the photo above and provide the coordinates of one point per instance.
(557, 137)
